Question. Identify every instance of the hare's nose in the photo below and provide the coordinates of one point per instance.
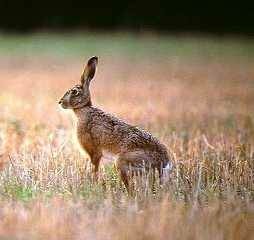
(60, 102)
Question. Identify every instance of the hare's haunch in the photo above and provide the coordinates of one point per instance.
(98, 131)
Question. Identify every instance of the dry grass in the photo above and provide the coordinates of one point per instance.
(62, 219)
(201, 108)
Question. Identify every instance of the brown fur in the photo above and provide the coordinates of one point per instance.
(98, 131)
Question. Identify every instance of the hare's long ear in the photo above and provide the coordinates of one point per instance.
(89, 71)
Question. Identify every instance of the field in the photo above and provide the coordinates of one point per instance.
(195, 94)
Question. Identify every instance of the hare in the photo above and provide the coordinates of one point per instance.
(98, 131)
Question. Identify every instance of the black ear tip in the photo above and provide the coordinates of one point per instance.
(93, 60)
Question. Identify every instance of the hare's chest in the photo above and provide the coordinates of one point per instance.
(84, 137)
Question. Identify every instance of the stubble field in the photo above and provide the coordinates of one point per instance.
(195, 94)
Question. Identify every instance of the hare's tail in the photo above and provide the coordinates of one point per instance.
(166, 168)
(166, 172)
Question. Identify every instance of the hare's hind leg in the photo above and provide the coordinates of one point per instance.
(132, 163)
(122, 167)
(124, 177)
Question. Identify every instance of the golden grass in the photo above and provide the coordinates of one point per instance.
(202, 110)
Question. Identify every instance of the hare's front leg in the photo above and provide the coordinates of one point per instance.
(95, 156)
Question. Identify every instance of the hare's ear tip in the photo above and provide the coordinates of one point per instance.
(92, 60)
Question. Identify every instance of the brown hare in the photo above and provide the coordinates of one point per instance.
(97, 131)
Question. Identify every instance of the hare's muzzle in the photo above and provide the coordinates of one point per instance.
(62, 103)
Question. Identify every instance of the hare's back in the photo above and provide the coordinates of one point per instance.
(110, 127)
(110, 132)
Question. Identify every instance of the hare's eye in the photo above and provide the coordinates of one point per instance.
(75, 92)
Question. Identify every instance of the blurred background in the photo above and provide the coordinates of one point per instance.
(204, 47)
(218, 17)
